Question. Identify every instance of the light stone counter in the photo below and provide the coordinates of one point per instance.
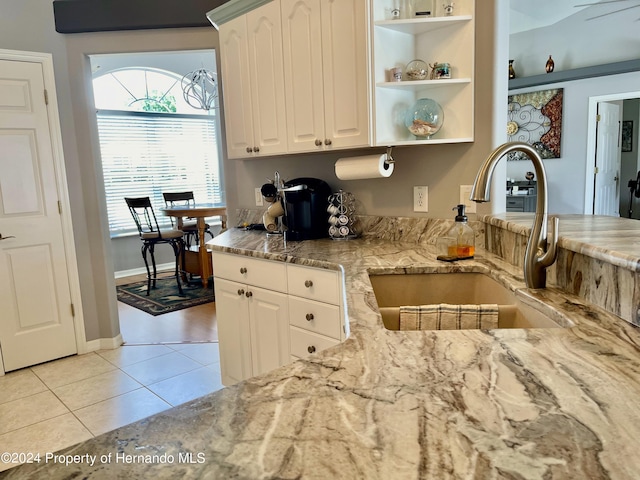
(519, 404)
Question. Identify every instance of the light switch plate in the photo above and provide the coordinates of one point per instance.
(259, 199)
(465, 193)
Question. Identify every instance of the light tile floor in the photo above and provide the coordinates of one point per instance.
(57, 404)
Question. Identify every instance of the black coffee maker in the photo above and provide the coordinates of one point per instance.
(305, 208)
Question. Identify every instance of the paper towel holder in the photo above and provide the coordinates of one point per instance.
(389, 160)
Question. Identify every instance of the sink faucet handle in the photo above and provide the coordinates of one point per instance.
(549, 255)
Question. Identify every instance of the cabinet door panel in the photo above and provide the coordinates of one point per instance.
(234, 68)
(345, 70)
(269, 317)
(302, 47)
(267, 79)
(232, 313)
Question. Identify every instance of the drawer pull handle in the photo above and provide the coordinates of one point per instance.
(308, 283)
(249, 294)
(240, 292)
(309, 317)
(243, 270)
(311, 349)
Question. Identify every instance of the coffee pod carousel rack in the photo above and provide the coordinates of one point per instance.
(343, 224)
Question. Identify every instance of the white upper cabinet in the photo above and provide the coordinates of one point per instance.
(436, 39)
(326, 74)
(253, 83)
(314, 75)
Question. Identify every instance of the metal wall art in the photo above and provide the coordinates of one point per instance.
(536, 118)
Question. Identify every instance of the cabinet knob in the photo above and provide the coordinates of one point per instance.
(256, 149)
(243, 270)
(311, 349)
(309, 317)
(327, 141)
(318, 142)
(308, 283)
(249, 150)
(240, 292)
(249, 294)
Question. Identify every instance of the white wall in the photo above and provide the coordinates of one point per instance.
(567, 175)
(28, 25)
(576, 42)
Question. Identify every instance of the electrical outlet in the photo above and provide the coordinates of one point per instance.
(421, 199)
(259, 199)
(465, 193)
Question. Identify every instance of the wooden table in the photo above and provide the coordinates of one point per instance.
(199, 211)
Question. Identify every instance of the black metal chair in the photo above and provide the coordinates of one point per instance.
(190, 228)
(151, 235)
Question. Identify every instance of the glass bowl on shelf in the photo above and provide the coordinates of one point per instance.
(424, 118)
(416, 70)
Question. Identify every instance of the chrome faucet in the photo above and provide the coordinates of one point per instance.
(541, 251)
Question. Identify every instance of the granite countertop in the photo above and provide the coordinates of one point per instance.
(511, 403)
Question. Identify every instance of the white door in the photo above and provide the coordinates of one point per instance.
(302, 48)
(345, 67)
(234, 68)
(269, 317)
(267, 79)
(232, 312)
(606, 199)
(36, 318)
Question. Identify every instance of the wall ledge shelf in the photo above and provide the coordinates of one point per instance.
(575, 74)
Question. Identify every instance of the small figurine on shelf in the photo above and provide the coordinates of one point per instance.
(448, 9)
(549, 66)
(512, 72)
(529, 176)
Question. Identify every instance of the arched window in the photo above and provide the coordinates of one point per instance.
(152, 141)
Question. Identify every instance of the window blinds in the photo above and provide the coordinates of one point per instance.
(146, 154)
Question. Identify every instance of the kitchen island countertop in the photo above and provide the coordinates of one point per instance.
(511, 403)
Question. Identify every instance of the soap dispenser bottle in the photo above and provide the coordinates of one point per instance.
(465, 237)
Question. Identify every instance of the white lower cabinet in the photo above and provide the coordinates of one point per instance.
(270, 313)
(253, 328)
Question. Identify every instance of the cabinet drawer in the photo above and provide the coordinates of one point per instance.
(515, 204)
(317, 317)
(314, 283)
(271, 275)
(304, 343)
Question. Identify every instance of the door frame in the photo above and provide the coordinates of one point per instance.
(55, 132)
(589, 190)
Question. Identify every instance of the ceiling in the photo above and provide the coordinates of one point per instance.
(527, 14)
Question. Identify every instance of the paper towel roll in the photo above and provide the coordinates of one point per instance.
(358, 168)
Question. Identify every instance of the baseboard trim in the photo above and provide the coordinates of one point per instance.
(143, 271)
(104, 343)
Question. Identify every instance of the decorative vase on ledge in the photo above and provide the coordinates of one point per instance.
(549, 66)
(512, 72)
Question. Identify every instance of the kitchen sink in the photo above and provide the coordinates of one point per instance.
(395, 290)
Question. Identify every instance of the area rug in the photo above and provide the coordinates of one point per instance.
(165, 297)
